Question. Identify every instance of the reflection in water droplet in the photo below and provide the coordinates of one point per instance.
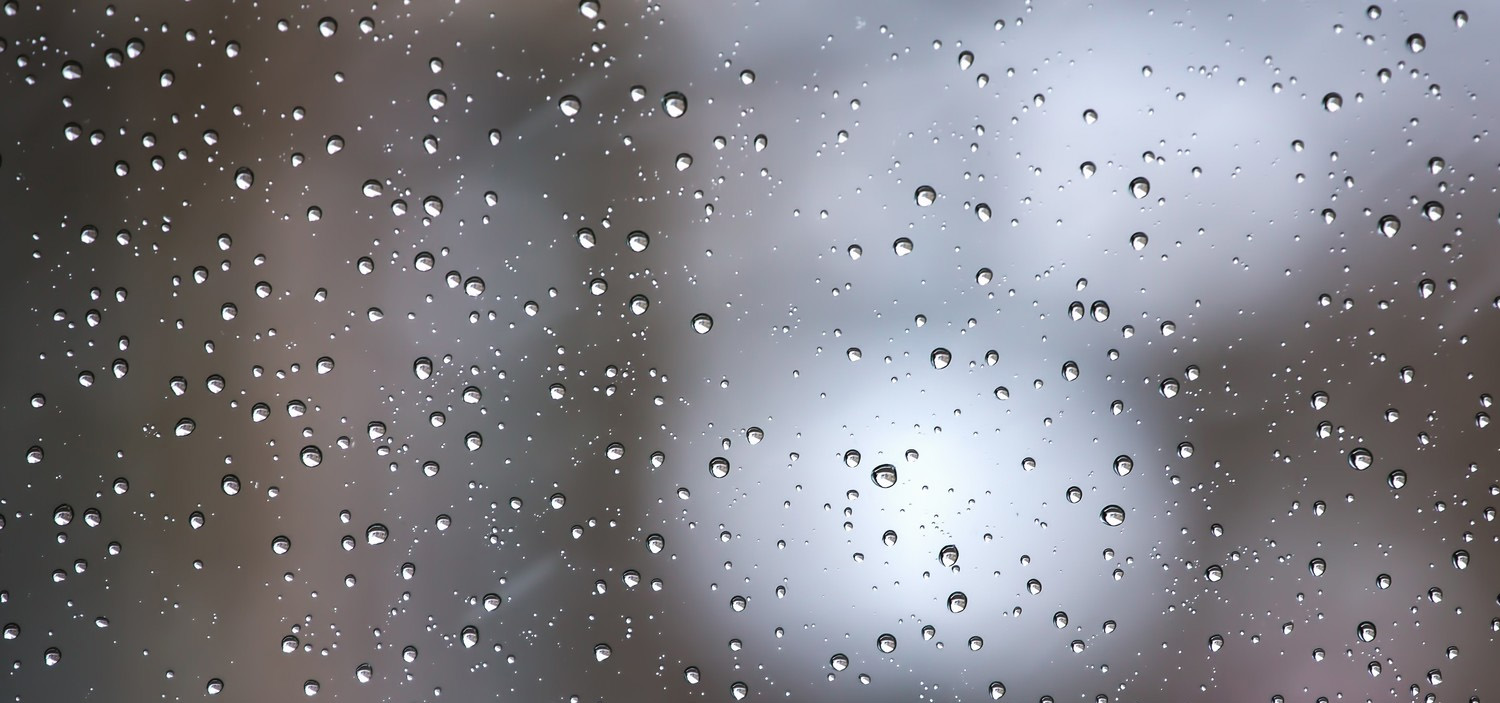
(926, 196)
(1332, 102)
(884, 475)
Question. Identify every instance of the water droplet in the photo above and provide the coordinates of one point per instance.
(675, 104)
(569, 105)
(1433, 210)
(1070, 371)
(1317, 566)
(957, 601)
(702, 323)
(1460, 559)
(1332, 102)
(884, 475)
(1138, 241)
(1416, 43)
(926, 196)
(1140, 187)
(602, 651)
(185, 427)
(1112, 515)
(997, 690)
(244, 178)
(311, 456)
(1100, 310)
(747, 77)
(327, 26)
(886, 643)
(851, 458)
(1124, 465)
(638, 241)
(281, 544)
(72, 70)
(1361, 458)
(941, 358)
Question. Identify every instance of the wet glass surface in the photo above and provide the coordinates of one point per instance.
(623, 351)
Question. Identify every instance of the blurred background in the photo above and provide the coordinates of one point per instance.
(623, 351)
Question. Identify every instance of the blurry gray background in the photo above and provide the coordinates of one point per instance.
(482, 137)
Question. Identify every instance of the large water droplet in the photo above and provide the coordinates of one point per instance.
(1112, 515)
(675, 104)
(1140, 187)
(941, 358)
